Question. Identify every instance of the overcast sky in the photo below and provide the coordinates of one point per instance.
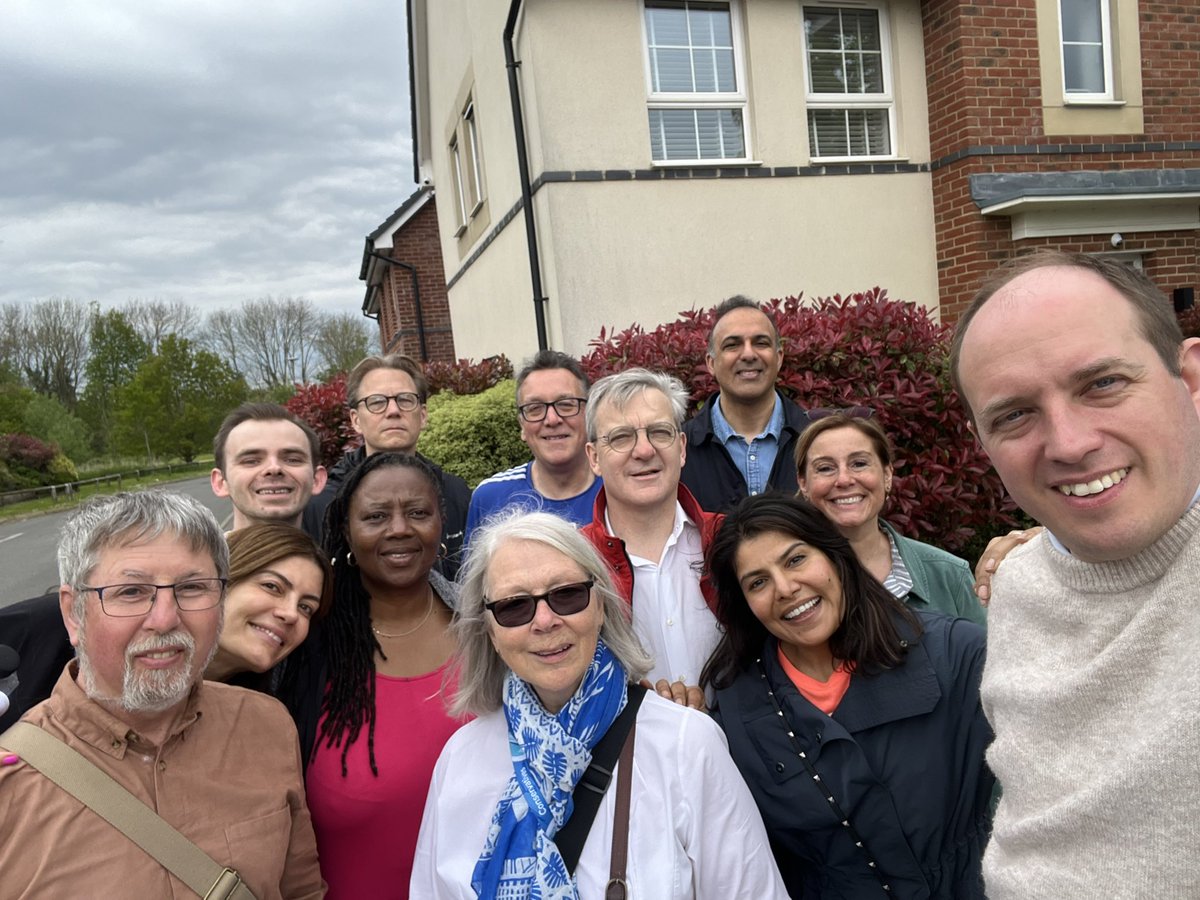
(205, 150)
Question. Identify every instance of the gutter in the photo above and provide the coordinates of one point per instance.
(535, 269)
(416, 297)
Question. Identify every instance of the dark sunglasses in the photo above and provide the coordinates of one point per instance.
(854, 412)
(564, 601)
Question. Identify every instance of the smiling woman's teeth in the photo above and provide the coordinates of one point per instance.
(802, 608)
(1103, 483)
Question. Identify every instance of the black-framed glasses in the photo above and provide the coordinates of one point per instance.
(192, 595)
(377, 403)
(566, 407)
(854, 412)
(567, 600)
(623, 439)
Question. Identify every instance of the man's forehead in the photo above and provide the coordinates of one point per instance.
(383, 380)
(742, 322)
(551, 384)
(257, 435)
(133, 550)
(649, 396)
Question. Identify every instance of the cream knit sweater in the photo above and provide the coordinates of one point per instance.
(1092, 685)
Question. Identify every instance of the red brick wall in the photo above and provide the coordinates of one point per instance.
(416, 244)
(985, 92)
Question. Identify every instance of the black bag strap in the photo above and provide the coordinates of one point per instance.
(595, 780)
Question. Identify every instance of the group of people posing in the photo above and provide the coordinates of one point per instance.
(686, 655)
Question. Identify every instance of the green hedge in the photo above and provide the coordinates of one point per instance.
(474, 436)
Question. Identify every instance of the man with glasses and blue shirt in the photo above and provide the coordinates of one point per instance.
(386, 396)
(649, 528)
(143, 580)
(740, 444)
(552, 392)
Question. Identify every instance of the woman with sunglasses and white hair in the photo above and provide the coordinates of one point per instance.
(844, 468)
(547, 658)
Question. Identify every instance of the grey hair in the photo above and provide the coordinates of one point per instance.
(481, 671)
(134, 516)
(619, 389)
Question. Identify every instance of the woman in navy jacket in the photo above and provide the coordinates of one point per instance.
(855, 721)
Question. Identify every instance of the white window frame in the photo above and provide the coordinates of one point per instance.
(1106, 39)
(459, 195)
(737, 100)
(885, 100)
(467, 174)
(471, 136)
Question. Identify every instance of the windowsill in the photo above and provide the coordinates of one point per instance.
(1102, 103)
(474, 209)
(865, 160)
(702, 163)
(461, 230)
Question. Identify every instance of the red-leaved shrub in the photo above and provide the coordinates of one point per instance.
(467, 376)
(844, 351)
(26, 451)
(323, 406)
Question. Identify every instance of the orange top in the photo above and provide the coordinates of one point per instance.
(824, 695)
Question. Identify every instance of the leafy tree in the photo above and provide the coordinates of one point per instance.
(117, 351)
(13, 400)
(175, 402)
(49, 420)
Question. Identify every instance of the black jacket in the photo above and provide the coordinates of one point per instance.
(455, 494)
(35, 629)
(710, 473)
(902, 756)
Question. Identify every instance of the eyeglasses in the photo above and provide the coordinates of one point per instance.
(564, 601)
(853, 412)
(566, 407)
(377, 403)
(193, 595)
(623, 439)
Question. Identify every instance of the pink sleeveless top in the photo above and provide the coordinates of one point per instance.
(367, 825)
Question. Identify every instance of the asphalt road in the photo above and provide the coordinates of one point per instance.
(27, 564)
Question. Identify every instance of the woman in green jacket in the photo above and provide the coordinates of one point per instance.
(844, 468)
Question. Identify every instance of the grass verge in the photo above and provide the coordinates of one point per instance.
(42, 505)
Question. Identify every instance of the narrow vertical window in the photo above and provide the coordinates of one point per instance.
(1086, 49)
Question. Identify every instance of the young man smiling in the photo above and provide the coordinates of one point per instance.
(1085, 397)
(740, 444)
(552, 392)
(268, 462)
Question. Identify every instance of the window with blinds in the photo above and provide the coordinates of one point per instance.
(697, 100)
(849, 96)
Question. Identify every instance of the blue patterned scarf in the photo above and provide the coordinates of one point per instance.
(549, 754)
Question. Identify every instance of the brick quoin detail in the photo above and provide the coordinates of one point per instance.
(417, 244)
(984, 77)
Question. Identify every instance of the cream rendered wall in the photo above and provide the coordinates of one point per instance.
(693, 244)
(618, 252)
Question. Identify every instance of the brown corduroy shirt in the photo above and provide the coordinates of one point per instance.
(228, 777)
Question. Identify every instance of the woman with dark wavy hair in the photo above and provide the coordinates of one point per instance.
(855, 720)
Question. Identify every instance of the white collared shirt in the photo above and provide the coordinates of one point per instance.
(670, 616)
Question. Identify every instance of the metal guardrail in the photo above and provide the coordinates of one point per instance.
(70, 489)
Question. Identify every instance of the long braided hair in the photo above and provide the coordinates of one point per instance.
(350, 645)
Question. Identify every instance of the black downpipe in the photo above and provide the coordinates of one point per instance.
(514, 93)
(416, 298)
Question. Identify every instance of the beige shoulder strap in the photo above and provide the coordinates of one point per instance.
(133, 818)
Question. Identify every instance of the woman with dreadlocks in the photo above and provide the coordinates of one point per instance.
(378, 668)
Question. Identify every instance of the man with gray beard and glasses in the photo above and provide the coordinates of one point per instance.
(143, 581)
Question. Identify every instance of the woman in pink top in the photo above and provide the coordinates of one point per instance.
(385, 650)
